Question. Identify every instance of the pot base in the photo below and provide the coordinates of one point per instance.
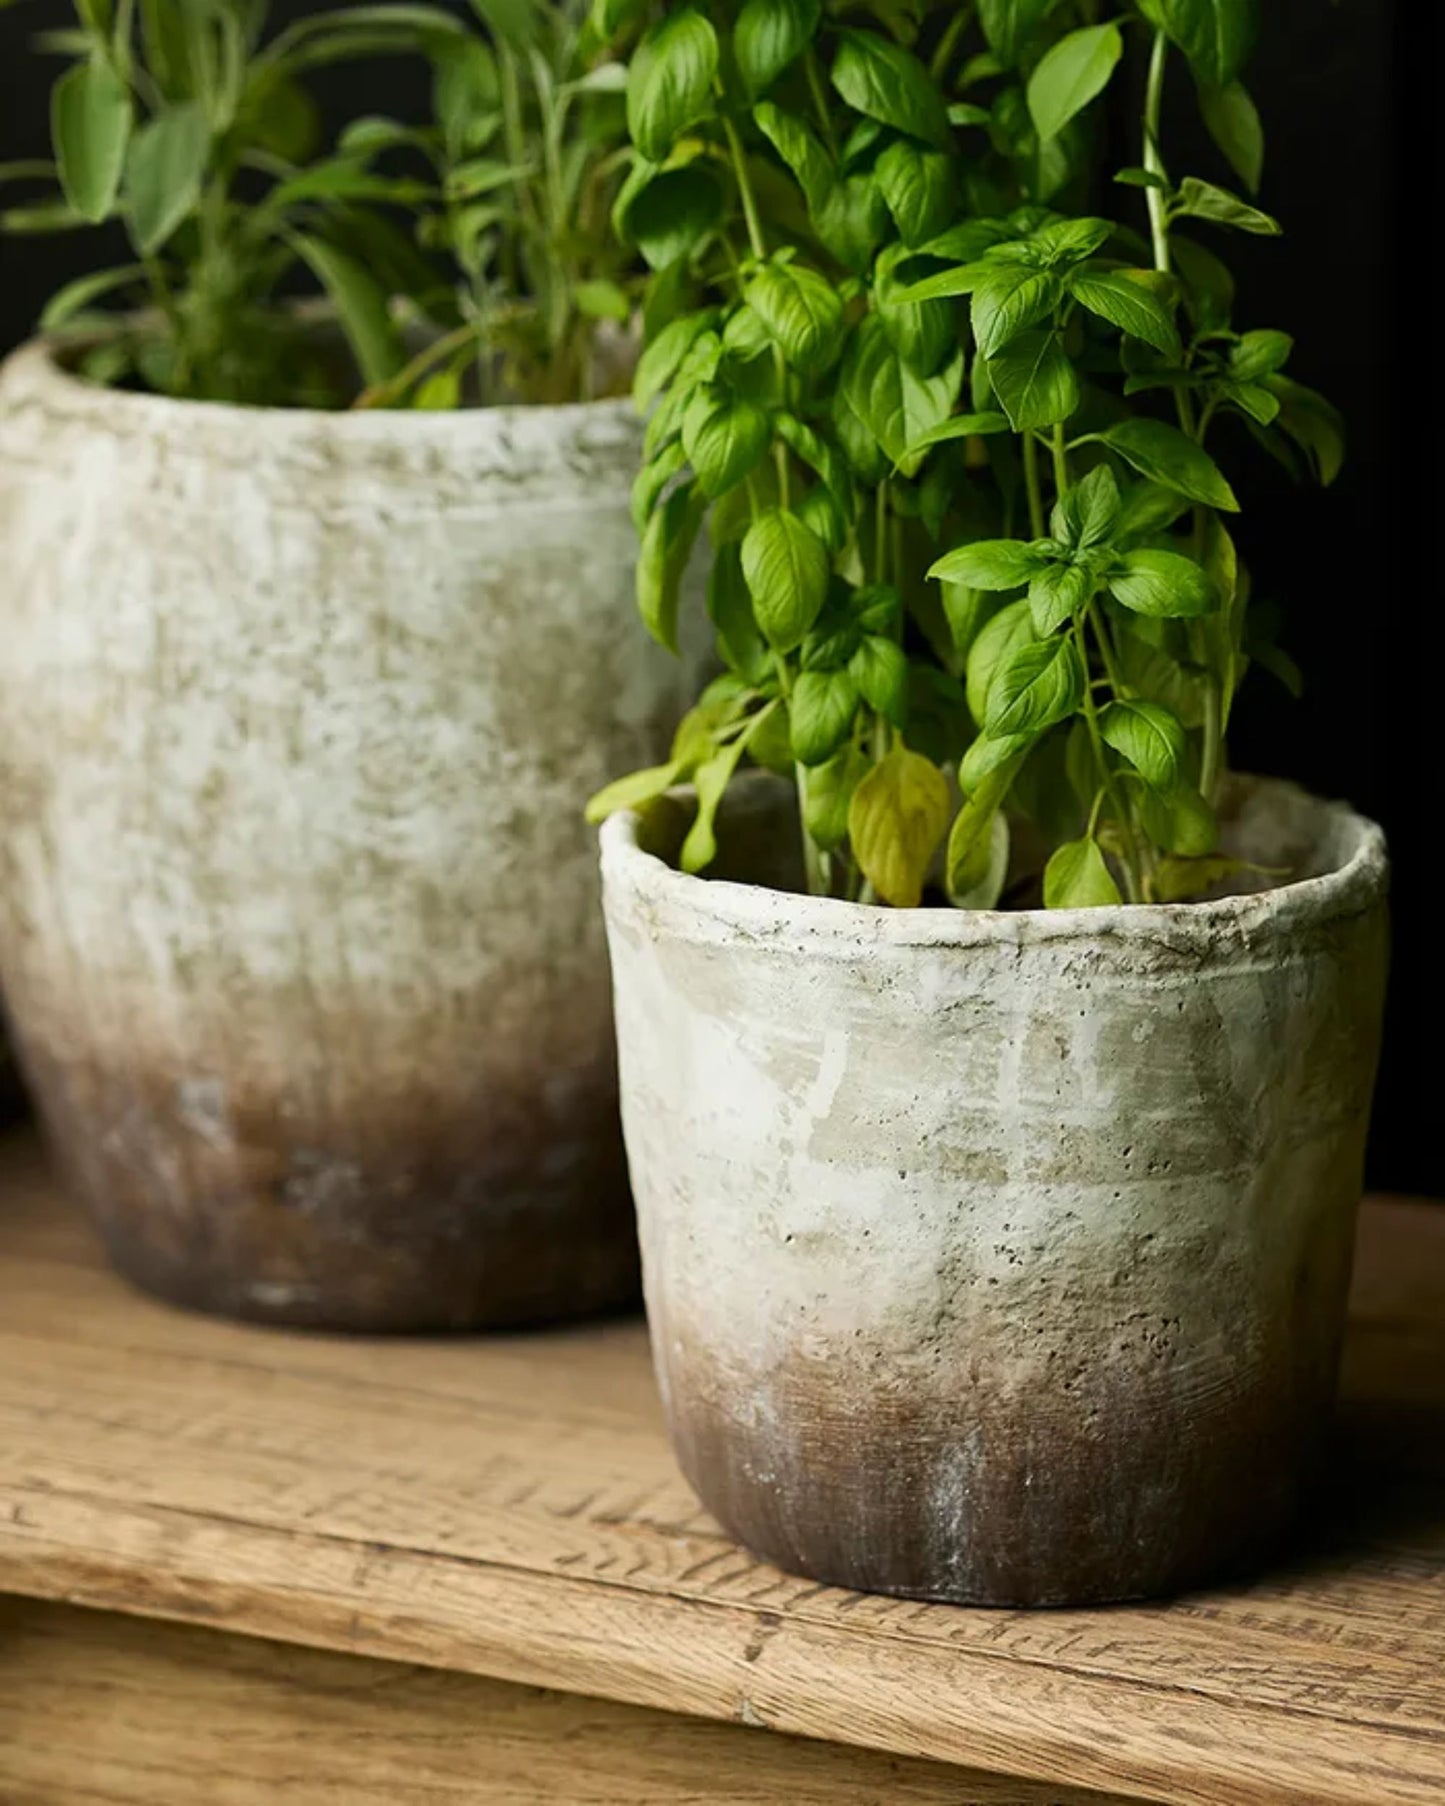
(410, 1220)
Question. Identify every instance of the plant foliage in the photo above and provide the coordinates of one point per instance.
(959, 432)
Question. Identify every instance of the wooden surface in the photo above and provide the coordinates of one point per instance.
(509, 1508)
(101, 1710)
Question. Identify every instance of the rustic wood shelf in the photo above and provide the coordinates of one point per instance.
(506, 1510)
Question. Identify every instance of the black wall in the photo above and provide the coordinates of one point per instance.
(1342, 87)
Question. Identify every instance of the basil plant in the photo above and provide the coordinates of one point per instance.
(955, 431)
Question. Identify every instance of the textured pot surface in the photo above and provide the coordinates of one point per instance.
(299, 922)
(1000, 1257)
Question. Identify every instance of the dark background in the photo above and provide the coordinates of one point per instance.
(1342, 86)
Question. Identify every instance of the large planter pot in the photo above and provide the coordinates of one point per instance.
(299, 921)
(991, 1257)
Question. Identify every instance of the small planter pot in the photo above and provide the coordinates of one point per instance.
(999, 1258)
(299, 919)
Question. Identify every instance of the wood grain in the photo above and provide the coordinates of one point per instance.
(509, 1508)
(100, 1710)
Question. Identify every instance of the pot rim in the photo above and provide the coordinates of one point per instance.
(710, 905)
(34, 372)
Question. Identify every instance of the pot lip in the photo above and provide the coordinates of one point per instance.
(711, 904)
(34, 372)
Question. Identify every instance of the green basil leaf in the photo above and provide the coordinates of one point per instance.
(1071, 73)
(787, 568)
(1166, 455)
(894, 406)
(897, 818)
(960, 426)
(1077, 877)
(990, 564)
(800, 149)
(801, 310)
(886, 82)
(948, 284)
(631, 792)
(769, 35)
(1065, 241)
(990, 753)
(724, 437)
(77, 296)
(1009, 24)
(651, 480)
(880, 669)
(919, 187)
(670, 215)
(1087, 514)
(670, 81)
(731, 609)
(972, 841)
(1034, 381)
(662, 558)
(1130, 306)
(1057, 594)
(852, 220)
(163, 174)
(1259, 353)
(828, 793)
(1149, 737)
(1182, 822)
(710, 780)
(1234, 125)
(821, 713)
(1162, 584)
(994, 644)
(1204, 200)
(1008, 301)
(1040, 684)
(1313, 423)
(1216, 35)
(659, 362)
(90, 122)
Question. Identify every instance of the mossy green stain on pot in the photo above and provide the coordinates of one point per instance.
(1001, 1258)
(298, 913)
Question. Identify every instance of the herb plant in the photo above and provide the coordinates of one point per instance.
(471, 258)
(953, 429)
(524, 161)
(190, 127)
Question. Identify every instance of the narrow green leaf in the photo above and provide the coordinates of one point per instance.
(1234, 125)
(662, 559)
(76, 296)
(90, 122)
(710, 780)
(163, 176)
(631, 792)
(362, 306)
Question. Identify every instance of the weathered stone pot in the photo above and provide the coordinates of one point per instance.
(299, 921)
(1000, 1258)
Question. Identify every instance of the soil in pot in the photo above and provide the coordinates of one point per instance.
(1000, 1257)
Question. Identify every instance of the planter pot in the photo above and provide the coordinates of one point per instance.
(1000, 1258)
(299, 921)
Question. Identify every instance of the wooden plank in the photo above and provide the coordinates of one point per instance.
(100, 1710)
(510, 1508)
